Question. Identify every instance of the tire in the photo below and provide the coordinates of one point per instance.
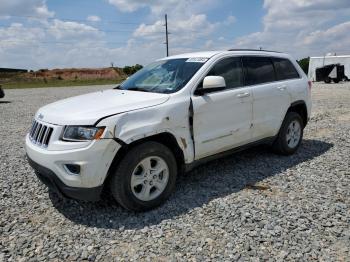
(328, 80)
(2, 93)
(136, 184)
(285, 143)
(336, 81)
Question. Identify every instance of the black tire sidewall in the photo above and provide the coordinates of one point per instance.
(121, 181)
(291, 116)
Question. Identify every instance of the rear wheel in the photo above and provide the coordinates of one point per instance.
(290, 134)
(145, 177)
(328, 80)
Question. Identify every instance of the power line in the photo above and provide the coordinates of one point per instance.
(76, 44)
(74, 20)
(63, 42)
(74, 29)
(77, 29)
(93, 29)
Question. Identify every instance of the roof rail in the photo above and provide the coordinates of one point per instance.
(262, 50)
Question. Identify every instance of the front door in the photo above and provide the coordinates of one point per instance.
(222, 119)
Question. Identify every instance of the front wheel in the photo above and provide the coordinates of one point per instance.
(290, 135)
(145, 177)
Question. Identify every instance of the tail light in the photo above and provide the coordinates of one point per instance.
(310, 84)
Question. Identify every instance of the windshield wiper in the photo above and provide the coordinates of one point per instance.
(137, 89)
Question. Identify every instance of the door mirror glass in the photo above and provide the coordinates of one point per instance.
(211, 83)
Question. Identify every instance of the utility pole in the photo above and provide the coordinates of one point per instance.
(166, 35)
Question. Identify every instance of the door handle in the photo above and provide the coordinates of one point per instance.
(282, 88)
(240, 95)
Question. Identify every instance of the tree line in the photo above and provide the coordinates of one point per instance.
(129, 70)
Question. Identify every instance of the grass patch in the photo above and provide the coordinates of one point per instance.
(58, 83)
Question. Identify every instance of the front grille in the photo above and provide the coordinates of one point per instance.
(40, 134)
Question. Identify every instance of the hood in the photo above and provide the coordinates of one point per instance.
(88, 109)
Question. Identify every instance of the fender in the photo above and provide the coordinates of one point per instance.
(171, 117)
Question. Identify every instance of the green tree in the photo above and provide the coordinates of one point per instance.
(304, 64)
(137, 67)
(129, 70)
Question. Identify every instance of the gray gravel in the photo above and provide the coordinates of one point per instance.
(250, 206)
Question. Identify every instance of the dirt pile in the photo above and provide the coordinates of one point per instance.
(77, 73)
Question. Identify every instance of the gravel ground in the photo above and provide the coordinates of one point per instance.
(253, 205)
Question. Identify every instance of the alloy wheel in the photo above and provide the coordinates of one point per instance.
(293, 134)
(150, 178)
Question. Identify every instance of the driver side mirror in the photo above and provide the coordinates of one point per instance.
(211, 84)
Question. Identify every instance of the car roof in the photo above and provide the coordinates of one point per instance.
(204, 54)
(209, 54)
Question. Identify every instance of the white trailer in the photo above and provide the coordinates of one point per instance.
(320, 61)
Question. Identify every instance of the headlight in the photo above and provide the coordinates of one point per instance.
(82, 133)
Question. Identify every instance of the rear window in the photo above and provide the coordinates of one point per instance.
(258, 70)
(284, 69)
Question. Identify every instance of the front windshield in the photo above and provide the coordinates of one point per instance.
(165, 76)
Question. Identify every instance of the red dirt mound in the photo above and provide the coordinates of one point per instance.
(78, 73)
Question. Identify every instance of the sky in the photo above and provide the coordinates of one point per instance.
(37, 34)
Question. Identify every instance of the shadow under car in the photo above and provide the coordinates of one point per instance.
(215, 179)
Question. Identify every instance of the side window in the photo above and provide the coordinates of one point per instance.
(230, 69)
(258, 70)
(284, 69)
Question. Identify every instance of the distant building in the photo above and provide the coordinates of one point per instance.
(320, 61)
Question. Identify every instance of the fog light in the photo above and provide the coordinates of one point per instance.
(72, 169)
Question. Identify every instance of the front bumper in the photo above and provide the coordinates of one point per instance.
(49, 178)
(94, 161)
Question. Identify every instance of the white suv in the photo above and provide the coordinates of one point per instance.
(173, 114)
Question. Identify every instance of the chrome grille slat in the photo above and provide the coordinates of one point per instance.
(47, 139)
(45, 136)
(35, 137)
(40, 134)
(34, 128)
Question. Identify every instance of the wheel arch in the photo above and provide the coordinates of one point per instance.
(300, 108)
(165, 138)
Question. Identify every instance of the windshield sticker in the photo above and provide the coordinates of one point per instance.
(197, 59)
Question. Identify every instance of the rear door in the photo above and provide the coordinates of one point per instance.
(222, 119)
(270, 97)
